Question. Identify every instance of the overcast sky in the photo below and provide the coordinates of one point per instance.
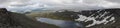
(53, 4)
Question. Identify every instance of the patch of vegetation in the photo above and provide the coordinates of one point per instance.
(65, 15)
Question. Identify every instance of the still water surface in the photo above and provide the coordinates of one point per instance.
(60, 23)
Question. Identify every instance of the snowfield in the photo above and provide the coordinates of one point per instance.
(96, 22)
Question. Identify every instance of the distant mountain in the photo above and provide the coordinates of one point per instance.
(24, 10)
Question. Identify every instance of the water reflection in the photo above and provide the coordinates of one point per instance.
(60, 23)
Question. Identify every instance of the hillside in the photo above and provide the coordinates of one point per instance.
(100, 18)
(105, 18)
(64, 15)
(16, 20)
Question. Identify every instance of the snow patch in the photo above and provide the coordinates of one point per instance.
(90, 18)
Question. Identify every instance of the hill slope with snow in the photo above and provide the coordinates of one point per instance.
(106, 18)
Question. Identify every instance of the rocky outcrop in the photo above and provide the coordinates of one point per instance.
(6, 20)
(103, 18)
(16, 20)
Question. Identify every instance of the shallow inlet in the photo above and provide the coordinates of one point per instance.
(60, 23)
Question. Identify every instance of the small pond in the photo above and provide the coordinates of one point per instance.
(60, 23)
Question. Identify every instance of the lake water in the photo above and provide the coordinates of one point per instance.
(60, 23)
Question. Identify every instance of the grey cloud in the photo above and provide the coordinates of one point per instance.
(91, 1)
(61, 4)
(3, 1)
(8, 1)
(117, 1)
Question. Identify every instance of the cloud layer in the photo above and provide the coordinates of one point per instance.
(59, 4)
